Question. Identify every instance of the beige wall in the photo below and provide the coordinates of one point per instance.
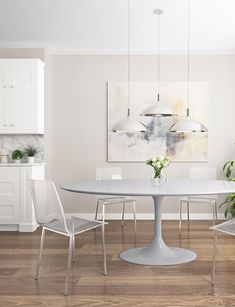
(79, 117)
(75, 115)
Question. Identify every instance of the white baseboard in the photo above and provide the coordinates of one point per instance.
(115, 216)
(24, 227)
(8, 227)
(150, 216)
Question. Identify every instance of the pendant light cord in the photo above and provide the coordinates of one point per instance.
(158, 57)
(188, 66)
(128, 59)
(158, 12)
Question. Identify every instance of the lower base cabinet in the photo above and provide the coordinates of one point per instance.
(16, 208)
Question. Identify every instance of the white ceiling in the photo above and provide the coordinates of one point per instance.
(100, 26)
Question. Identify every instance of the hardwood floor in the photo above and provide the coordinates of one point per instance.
(126, 284)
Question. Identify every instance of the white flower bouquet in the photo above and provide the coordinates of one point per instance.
(158, 163)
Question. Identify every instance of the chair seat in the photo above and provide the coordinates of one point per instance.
(226, 227)
(200, 198)
(74, 225)
(115, 200)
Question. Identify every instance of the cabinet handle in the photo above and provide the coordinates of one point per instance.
(4, 125)
(11, 125)
(4, 86)
(11, 86)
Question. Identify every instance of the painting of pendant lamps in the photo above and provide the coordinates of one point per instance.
(129, 125)
(158, 108)
(187, 124)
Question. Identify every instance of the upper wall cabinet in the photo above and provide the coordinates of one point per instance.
(21, 96)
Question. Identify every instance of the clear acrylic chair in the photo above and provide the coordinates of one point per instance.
(115, 173)
(227, 227)
(208, 173)
(50, 215)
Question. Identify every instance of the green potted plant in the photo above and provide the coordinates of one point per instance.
(230, 198)
(17, 155)
(31, 152)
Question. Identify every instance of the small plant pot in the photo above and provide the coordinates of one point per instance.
(17, 161)
(31, 160)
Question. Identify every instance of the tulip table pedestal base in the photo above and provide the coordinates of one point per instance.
(158, 253)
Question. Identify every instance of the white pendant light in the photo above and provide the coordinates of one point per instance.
(159, 108)
(187, 124)
(129, 124)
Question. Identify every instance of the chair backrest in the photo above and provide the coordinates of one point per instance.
(206, 172)
(46, 202)
(106, 173)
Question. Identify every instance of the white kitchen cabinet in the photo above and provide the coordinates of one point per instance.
(16, 208)
(21, 96)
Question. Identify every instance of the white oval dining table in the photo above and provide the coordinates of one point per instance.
(157, 253)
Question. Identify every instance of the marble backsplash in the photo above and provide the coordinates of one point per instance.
(9, 143)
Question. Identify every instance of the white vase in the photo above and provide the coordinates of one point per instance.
(31, 160)
(17, 161)
(159, 180)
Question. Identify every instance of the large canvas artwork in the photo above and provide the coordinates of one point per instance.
(125, 147)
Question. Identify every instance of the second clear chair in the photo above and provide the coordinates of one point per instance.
(114, 173)
(198, 173)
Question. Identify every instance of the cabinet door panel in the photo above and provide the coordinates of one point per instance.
(21, 96)
(21, 111)
(2, 78)
(22, 78)
(2, 109)
(9, 195)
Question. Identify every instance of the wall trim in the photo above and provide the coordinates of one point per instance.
(9, 227)
(25, 227)
(150, 216)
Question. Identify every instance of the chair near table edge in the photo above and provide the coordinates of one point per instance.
(50, 215)
(200, 173)
(114, 173)
(227, 227)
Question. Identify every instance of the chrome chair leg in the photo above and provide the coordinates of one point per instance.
(188, 210)
(214, 258)
(180, 221)
(123, 213)
(103, 213)
(213, 211)
(104, 248)
(73, 249)
(134, 212)
(40, 253)
(216, 212)
(69, 264)
(97, 208)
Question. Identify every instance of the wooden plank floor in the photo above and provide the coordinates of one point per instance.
(126, 284)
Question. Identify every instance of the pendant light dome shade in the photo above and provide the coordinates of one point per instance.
(188, 125)
(129, 125)
(158, 109)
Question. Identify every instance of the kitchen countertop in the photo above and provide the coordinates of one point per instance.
(21, 164)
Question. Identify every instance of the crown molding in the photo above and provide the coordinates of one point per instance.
(16, 45)
(60, 51)
(136, 52)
